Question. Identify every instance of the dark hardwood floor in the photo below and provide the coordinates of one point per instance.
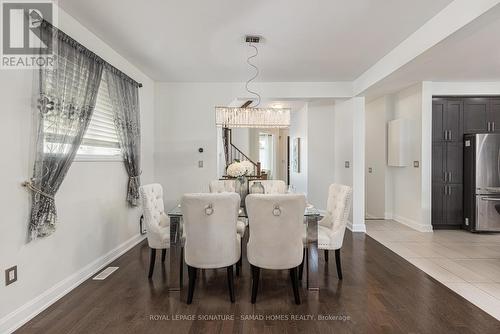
(380, 293)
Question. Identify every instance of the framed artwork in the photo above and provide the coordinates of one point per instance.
(296, 155)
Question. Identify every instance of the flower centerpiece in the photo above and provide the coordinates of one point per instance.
(240, 170)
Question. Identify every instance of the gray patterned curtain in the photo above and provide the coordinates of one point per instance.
(124, 95)
(68, 93)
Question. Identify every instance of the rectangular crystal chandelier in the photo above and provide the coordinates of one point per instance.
(234, 117)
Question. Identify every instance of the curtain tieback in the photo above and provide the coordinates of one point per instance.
(30, 186)
(135, 176)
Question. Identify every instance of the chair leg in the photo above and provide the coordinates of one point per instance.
(230, 282)
(255, 282)
(192, 280)
(337, 260)
(326, 255)
(295, 285)
(152, 259)
(181, 267)
(163, 255)
(238, 264)
(301, 266)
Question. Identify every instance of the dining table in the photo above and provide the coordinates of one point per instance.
(176, 261)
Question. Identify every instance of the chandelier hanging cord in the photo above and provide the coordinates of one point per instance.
(255, 75)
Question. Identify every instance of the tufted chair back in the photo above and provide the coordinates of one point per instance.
(156, 220)
(210, 226)
(272, 186)
(221, 186)
(276, 230)
(338, 205)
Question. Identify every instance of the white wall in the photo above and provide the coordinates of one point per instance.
(406, 181)
(343, 142)
(407, 189)
(349, 144)
(185, 121)
(321, 159)
(299, 129)
(94, 218)
(376, 159)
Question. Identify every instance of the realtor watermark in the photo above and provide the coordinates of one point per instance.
(249, 317)
(26, 42)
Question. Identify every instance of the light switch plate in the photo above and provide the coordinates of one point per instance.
(370, 170)
(416, 164)
(10, 275)
(347, 164)
(200, 164)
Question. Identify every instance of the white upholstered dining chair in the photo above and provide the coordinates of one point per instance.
(211, 237)
(331, 228)
(271, 186)
(276, 224)
(157, 222)
(221, 186)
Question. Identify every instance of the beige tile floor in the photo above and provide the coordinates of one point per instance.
(467, 263)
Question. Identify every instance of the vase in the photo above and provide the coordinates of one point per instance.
(242, 189)
(257, 188)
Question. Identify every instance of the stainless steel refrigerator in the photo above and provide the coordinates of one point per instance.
(482, 182)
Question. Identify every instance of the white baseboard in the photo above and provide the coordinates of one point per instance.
(373, 217)
(26, 312)
(356, 227)
(412, 223)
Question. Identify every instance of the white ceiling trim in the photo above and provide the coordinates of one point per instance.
(466, 88)
(453, 17)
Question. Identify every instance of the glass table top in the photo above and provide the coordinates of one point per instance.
(310, 211)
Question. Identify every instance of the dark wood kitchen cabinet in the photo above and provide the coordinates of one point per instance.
(476, 111)
(481, 114)
(447, 162)
(452, 117)
(447, 208)
(494, 115)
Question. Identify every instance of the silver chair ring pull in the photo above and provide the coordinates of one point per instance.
(276, 210)
(209, 209)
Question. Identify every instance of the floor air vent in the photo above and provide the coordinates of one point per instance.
(105, 273)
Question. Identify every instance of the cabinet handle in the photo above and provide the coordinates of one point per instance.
(489, 127)
(449, 191)
(449, 135)
(492, 199)
(493, 126)
(449, 176)
(445, 135)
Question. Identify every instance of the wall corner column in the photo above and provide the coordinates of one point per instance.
(358, 172)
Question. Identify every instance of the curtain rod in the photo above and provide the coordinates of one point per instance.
(78, 44)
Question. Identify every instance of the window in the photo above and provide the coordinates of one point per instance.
(266, 152)
(100, 141)
(101, 138)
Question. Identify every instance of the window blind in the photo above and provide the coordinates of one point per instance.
(101, 131)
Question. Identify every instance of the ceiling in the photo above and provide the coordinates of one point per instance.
(313, 40)
(470, 54)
